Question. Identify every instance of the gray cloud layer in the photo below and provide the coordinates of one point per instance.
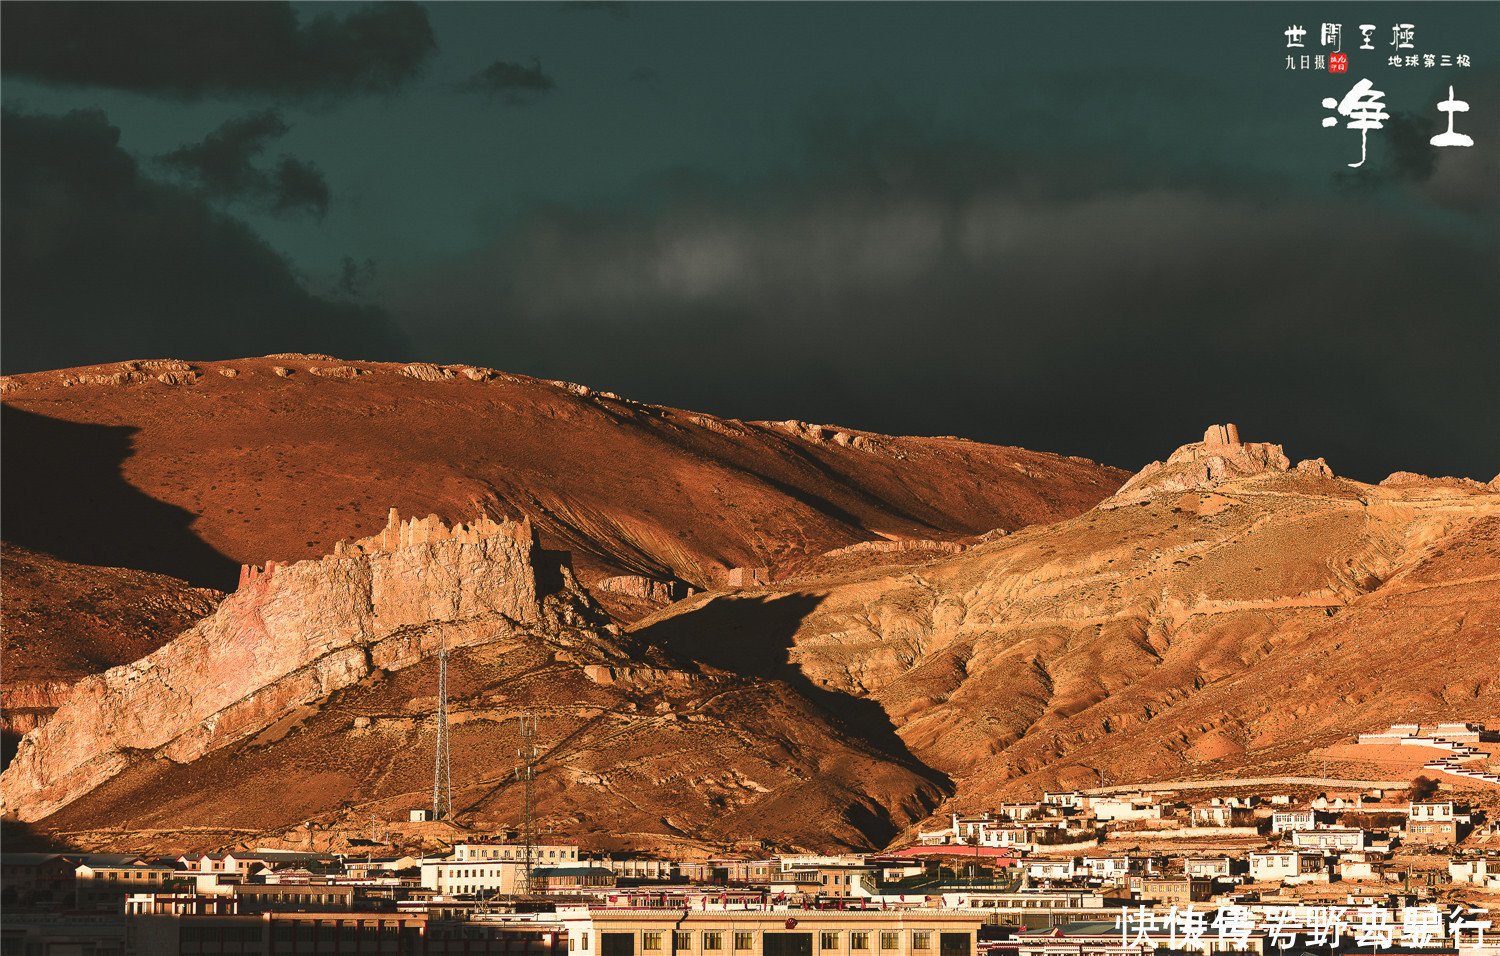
(102, 263)
(1009, 302)
(191, 50)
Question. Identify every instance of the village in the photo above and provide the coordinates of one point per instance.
(1263, 866)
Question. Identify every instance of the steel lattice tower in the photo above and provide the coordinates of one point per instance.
(527, 773)
(442, 776)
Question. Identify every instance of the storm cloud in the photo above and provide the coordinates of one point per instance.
(102, 263)
(1011, 303)
(222, 167)
(515, 84)
(193, 50)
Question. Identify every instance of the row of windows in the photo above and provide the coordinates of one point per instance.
(332, 932)
(138, 874)
(713, 941)
(521, 854)
(299, 897)
(470, 874)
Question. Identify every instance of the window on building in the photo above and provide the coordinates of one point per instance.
(890, 941)
(921, 939)
(828, 940)
(744, 942)
(681, 941)
(713, 942)
(859, 941)
(651, 941)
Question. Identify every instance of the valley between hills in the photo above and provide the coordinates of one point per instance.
(226, 584)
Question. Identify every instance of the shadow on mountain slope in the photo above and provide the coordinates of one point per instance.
(65, 494)
(753, 636)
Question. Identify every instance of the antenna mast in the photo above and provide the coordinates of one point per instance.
(442, 777)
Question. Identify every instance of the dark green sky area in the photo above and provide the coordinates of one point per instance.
(1085, 228)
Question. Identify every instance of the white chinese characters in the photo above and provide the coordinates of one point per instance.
(1450, 138)
(1365, 112)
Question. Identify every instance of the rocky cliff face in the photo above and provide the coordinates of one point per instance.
(64, 621)
(1141, 638)
(289, 635)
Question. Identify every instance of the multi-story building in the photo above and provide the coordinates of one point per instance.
(551, 854)
(102, 880)
(1103, 938)
(1035, 909)
(1125, 808)
(640, 868)
(1287, 866)
(1339, 839)
(1111, 869)
(32, 878)
(1435, 823)
(724, 870)
(1064, 869)
(1207, 867)
(1285, 821)
(838, 880)
(596, 931)
(1179, 890)
(452, 877)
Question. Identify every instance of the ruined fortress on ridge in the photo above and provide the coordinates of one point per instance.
(398, 534)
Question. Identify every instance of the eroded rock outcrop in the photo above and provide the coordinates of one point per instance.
(893, 545)
(647, 589)
(27, 704)
(1218, 457)
(427, 373)
(289, 635)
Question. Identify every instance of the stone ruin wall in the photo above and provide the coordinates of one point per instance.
(398, 534)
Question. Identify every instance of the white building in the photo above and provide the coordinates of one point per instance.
(1206, 867)
(1108, 868)
(1331, 838)
(1431, 812)
(1477, 872)
(472, 877)
(1287, 866)
(1054, 869)
(1284, 821)
(542, 855)
(1126, 808)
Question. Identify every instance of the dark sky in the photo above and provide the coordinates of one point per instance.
(1085, 228)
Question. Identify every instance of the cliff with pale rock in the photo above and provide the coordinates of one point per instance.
(289, 635)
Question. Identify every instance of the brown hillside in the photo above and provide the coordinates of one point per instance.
(192, 469)
(63, 620)
(1196, 625)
